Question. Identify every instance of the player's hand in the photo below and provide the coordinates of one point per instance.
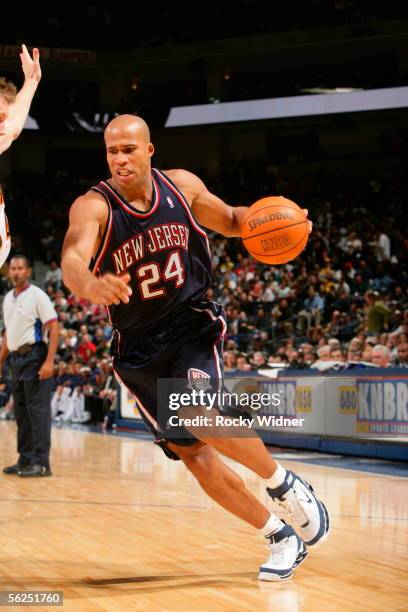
(30, 65)
(110, 289)
(305, 210)
(46, 370)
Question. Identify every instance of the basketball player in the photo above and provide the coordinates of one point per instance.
(141, 234)
(14, 108)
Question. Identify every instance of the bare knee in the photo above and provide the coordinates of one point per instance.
(200, 459)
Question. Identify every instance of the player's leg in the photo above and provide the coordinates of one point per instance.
(228, 489)
(38, 394)
(221, 483)
(24, 433)
(286, 489)
(249, 451)
(202, 354)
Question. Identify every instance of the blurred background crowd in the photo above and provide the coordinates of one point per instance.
(342, 303)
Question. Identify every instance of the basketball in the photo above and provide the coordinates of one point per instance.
(275, 230)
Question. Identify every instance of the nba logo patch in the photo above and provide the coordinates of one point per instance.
(170, 202)
(198, 380)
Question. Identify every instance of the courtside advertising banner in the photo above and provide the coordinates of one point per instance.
(354, 406)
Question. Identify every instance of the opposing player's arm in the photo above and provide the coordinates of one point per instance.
(88, 214)
(19, 109)
(209, 210)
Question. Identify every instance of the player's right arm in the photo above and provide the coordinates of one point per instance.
(88, 215)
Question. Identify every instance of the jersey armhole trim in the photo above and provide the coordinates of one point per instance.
(186, 206)
(96, 260)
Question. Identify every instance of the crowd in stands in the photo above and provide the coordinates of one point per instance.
(344, 301)
(84, 384)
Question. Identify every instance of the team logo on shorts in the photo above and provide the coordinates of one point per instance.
(198, 380)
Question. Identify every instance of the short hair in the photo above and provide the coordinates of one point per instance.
(325, 349)
(26, 260)
(7, 89)
(380, 348)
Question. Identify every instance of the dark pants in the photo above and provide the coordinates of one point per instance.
(32, 406)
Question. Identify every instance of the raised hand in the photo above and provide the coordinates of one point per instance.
(30, 65)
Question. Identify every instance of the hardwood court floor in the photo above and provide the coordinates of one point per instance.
(119, 527)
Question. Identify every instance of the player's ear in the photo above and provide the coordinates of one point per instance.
(150, 149)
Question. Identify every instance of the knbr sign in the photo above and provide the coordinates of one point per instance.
(382, 407)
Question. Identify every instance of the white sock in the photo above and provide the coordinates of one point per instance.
(277, 479)
(272, 525)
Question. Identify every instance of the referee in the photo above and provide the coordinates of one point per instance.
(27, 310)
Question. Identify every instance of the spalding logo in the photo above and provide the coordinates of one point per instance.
(271, 217)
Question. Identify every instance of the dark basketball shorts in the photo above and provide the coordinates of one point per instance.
(191, 341)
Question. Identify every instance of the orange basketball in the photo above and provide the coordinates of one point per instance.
(275, 230)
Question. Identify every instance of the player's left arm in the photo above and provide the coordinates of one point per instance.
(20, 108)
(208, 209)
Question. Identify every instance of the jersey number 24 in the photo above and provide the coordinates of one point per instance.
(152, 278)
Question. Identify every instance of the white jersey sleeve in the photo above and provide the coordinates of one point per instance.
(45, 309)
(5, 242)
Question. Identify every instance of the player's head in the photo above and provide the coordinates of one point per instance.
(128, 150)
(19, 270)
(7, 95)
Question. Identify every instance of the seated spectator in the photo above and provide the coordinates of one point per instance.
(323, 352)
(86, 348)
(380, 356)
(334, 326)
(354, 355)
(312, 311)
(367, 352)
(402, 361)
(309, 357)
(53, 278)
(258, 360)
(230, 361)
(336, 354)
(296, 359)
(242, 363)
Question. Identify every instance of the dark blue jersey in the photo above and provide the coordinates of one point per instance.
(164, 250)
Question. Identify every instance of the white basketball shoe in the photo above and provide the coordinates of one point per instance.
(287, 551)
(308, 514)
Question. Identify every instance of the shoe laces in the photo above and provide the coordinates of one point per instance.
(277, 550)
(294, 507)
